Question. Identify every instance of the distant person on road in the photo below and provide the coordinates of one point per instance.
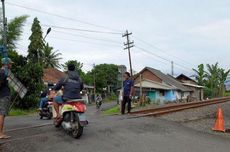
(128, 91)
(45, 96)
(5, 98)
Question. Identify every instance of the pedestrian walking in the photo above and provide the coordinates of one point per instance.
(128, 90)
(4, 94)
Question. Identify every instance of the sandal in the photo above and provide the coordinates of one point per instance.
(4, 137)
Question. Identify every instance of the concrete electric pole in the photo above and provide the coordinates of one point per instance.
(172, 68)
(128, 45)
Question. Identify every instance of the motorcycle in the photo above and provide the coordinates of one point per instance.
(73, 118)
(98, 102)
(46, 111)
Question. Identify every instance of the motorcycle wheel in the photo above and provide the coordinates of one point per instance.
(50, 116)
(78, 130)
(41, 115)
(97, 106)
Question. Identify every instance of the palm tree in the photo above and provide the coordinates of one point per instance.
(50, 58)
(213, 81)
(222, 78)
(200, 74)
(14, 31)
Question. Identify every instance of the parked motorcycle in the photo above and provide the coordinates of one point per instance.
(73, 118)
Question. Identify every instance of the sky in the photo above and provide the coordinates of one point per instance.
(186, 32)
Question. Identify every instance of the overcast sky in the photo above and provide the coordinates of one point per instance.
(188, 32)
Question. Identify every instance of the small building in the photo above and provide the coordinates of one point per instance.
(227, 84)
(197, 90)
(160, 87)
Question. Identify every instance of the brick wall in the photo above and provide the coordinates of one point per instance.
(146, 74)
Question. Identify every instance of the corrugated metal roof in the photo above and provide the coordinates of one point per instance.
(152, 84)
(193, 85)
(169, 80)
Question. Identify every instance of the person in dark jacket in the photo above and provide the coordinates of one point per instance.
(72, 87)
(128, 91)
(4, 94)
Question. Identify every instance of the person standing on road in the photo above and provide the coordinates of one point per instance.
(128, 91)
(4, 94)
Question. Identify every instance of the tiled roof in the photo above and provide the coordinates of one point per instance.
(52, 75)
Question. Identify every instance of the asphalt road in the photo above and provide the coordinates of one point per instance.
(112, 134)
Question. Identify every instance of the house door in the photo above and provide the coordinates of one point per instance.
(152, 95)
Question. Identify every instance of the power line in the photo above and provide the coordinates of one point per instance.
(87, 37)
(80, 41)
(149, 52)
(149, 44)
(78, 35)
(78, 29)
(60, 16)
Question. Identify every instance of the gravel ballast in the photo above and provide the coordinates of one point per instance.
(203, 118)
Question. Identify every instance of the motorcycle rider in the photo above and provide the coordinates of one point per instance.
(98, 100)
(72, 85)
(45, 96)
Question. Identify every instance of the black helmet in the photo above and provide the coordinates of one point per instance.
(71, 67)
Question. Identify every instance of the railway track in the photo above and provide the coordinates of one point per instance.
(178, 107)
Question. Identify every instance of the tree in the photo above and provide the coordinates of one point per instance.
(14, 31)
(32, 73)
(36, 43)
(222, 78)
(106, 76)
(200, 74)
(213, 79)
(50, 58)
(212, 75)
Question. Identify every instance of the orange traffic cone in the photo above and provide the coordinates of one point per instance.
(219, 124)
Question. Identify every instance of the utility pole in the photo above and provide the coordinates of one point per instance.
(94, 83)
(4, 29)
(140, 86)
(128, 45)
(172, 68)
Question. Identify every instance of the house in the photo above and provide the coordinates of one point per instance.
(160, 87)
(227, 84)
(52, 75)
(197, 90)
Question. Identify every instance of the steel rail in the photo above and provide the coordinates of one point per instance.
(178, 107)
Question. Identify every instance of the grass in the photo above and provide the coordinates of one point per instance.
(20, 112)
(116, 109)
(112, 111)
(227, 94)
